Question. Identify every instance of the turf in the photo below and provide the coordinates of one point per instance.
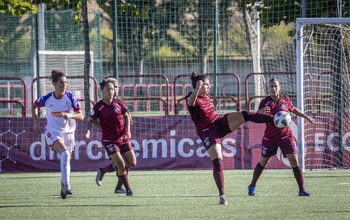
(177, 195)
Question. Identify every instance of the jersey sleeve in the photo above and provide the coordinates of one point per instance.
(74, 101)
(124, 108)
(290, 105)
(188, 98)
(261, 104)
(40, 102)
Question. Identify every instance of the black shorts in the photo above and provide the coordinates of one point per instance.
(114, 148)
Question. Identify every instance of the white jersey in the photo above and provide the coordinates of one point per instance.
(54, 107)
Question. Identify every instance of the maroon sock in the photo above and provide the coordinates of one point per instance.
(257, 173)
(257, 117)
(109, 168)
(218, 175)
(125, 181)
(299, 177)
(119, 184)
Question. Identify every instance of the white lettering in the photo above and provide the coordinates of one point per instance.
(172, 144)
(89, 150)
(77, 149)
(181, 147)
(42, 155)
(230, 147)
(319, 142)
(136, 147)
(154, 143)
(346, 147)
(201, 151)
(329, 141)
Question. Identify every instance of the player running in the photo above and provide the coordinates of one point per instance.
(211, 127)
(111, 167)
(62, 109)
(275, 138)
(115, 134)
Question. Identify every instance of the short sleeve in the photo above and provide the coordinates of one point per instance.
(40, 102)
(94, 112)
(74, 101)
(290, 104)
(124, 108)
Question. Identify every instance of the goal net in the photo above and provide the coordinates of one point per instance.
(72, 64)
(323, 47)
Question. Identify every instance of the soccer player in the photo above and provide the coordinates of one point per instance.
(115, 133)
(62, 109)
(111, 167)
(211, 127)
(275, 138)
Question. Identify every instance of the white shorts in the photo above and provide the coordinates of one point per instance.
(67, 138)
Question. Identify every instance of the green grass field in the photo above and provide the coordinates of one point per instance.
(177, 195)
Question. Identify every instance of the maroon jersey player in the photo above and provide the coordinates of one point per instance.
(275, 138)
(211, 127)
(128, 158)
(112, 113)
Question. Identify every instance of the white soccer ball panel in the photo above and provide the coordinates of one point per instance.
(282, 119)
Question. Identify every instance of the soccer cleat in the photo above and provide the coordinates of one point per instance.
(251, 190)
(129, 193)
(64, 191)
(119, 190)
(69, 192)
(304, 193)
(99, 177)
(223, 200)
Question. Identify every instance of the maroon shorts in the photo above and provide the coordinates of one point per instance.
(215, 133)
(114, 148)
(287, 147)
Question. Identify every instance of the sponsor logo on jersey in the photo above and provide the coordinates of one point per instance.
(59, 114)
(283, 107)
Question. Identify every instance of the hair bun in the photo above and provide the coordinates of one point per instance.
(194, 74)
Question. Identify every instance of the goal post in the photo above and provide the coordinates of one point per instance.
(322, 50)
(71, 63)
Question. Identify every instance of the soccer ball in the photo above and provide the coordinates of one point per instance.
(282, 119)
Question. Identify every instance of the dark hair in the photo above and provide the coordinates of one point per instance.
(196, 77)
(106, 81)
(56, 74)
(273, 79)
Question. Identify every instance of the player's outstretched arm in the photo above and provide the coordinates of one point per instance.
(297, 112)
(195, 93)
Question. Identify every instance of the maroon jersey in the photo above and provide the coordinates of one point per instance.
(274, 135)
(111, 121)
(202, 112)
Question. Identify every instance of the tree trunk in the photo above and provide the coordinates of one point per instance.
(87, 60)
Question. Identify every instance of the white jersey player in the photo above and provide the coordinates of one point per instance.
(62, 109)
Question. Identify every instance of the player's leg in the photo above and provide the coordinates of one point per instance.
(215, 155)
(235, 119)
(293, 160)
(101, 172)
(119, 161)
(259, 168)
(130, 161)
(59, 147)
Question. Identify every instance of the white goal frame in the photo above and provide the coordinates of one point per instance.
(300, 49)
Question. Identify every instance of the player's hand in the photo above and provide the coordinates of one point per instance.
(129, 134)
(265, 110)
(311, 120)
(67, 115)
(131, 121)
(87, 135)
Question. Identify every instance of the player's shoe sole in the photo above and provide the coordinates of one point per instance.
(223, 200)
(99, 177)
(119, 190)
(251, 190)
(129, 193)
(304, 193)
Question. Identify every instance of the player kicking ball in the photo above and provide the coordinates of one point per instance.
(275, 138)
(62, 110)
(211, 127)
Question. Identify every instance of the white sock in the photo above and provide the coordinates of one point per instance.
(65, 167)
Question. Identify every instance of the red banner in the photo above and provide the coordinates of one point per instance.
(168, 142)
